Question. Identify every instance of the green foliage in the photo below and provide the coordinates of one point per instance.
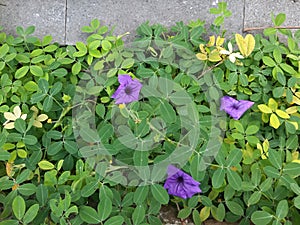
(93, 162)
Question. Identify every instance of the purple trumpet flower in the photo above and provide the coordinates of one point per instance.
(180, 184)
(128, 91)
(235, 108)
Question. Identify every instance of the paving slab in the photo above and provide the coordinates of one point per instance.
(127, 15)
(258, 12)
(48, 16)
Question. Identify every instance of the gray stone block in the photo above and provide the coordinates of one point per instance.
(258, 12)
(127, 15)
(48, 16)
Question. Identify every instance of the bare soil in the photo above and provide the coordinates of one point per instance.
(168, 215)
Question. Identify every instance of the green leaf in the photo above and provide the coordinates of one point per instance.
(106, 45)
(140, 194)
(252, 129)
(30, 139)
(184, 213)
(31, 213)
(20, 125)
(292, 169)
(89, 188)
(282, 209)
(18, 207)
(292, 142)
(297, 202)
(254, 198)
(268, 61)
(31, 86)
(167, 112)
(261, 217)
(48, 103)
(36, 71)
(4, 50)
(46, 165)
(272, 172)
(275, 158)
(234, 157)
(4, 155)
(82, 49)
(60, 72)
(27, 189)
(104, 208)
(235, 208)
(21, 72)
(115, 220)
(160, 194)
(127, 63)
(287, 68)
(9, 222)
(138, 215)
(266, 184)
(43, 85)
(76, 68)
(279, 20)
(234, 180)
(89, 215)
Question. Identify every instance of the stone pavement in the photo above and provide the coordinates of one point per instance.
(63, 19)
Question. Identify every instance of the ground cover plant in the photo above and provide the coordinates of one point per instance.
(107, 132)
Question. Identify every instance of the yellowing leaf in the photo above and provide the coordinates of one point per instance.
(204, 213)
(282, 114)
(9, 169)
(214, 56)
(202, 49)
(296, 100)
(211, 42)
(220, 41)
(265, 117)
(264, 108)
(291, 110)
(263, 154)
(272, 104)
(295, 124)
(274, 121)
(246, 45)
(46, 165)
(201, 56)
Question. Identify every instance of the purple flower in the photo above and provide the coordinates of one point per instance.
(181, 184)
(128, 91)
(235, 108)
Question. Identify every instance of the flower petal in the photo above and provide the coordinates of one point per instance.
(124, 79)
(227, 102)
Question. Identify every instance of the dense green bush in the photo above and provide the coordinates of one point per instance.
(70, 155)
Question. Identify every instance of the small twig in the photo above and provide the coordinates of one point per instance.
(181, 220)
(276, 27)
(1, 4)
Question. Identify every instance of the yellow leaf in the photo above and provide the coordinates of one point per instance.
(295, 156)
(292, 110)
(259, 147)
(272, 104)
(264, 108)
(9, 169)
(274, 121)
(297, 94)
(246, 45)
(202, 49)
(201, 56)
(46, 165)
(282, 114)
(220, 41)
(296, 100)
(266, 146)
(204, 213)
(214, 56)
(211, 42)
